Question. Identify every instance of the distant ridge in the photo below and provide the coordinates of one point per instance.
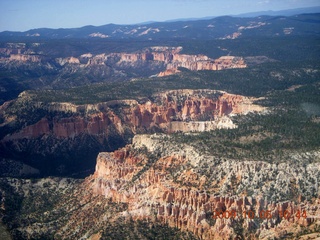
(266, 24)
(288, 12)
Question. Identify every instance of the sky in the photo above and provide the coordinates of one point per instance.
(23, 15)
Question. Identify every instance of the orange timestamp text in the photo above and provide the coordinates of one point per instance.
(262, 214)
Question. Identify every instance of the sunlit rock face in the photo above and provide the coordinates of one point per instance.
(168, 111)
(180, 106)
(25, 58)
(173, 59)
(68, 129)
(181, 196)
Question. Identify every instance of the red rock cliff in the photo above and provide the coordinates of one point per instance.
(177, 106)
(173, 59)
(70, 127)
(121, 177)
(193, 107)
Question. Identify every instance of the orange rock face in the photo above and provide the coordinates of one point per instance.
(69, 127)
(165, 109)
(192, 108)
(168, 72)
(173, 59)
(34, 131)
(168, 57)
(25, 58)
(154, 192)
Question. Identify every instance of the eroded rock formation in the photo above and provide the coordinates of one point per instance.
(190, 105)
(65, 127)
(25, 58)
(153, 187)
(173, 60)
(168, 111)
(165, 60)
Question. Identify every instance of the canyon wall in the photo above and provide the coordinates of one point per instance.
(173, 60)
(190, 105)
(96, 124)
(200, 126)
(184, 199)
(170, 57)
(170, 111)
(65, 129)
(25, 58)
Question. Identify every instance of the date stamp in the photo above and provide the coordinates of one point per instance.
(263, 214)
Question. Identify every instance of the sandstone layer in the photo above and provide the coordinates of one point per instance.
(67, 129)
(164, 110)
(153, 178)
(157, 57)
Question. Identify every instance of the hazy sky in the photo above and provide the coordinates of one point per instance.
(22, 15)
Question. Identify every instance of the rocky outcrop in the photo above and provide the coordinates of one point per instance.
(70, 60)
(201, 126)
(169, 56)
(173, 60)
(159, 182)
(96, 60)
(171, 111)
(165, 60)
(95, 124)
(99, 35)
(168, 195)
(67, 128)
(133, 57)
(25, 58)
(33, 131)
(189, 105)
(168, 72)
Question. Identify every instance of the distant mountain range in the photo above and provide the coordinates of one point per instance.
(287, 12)
(267, 23)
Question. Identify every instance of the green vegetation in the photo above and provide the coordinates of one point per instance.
(292, 125)
(253, 81)
(12, 201)
(284, 49)
(292, 52)
(151, 159)
(266, 137)
(129, 229)
(52, 204)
